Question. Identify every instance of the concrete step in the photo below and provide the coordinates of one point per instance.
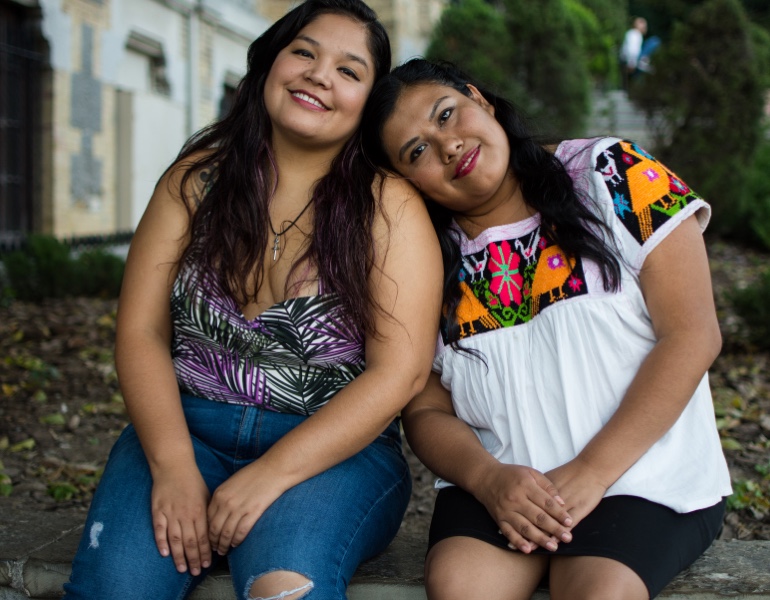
(613, 113)
(36, 550)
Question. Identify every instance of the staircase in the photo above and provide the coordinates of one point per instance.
(614, 114)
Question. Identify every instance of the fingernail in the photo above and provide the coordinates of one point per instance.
(164, 552)
(512, 547)
(559, 500)
(181, 568)
(551, 546)
(568, 521)
(206, 564)
(195, 572)
(566, 537)
(499, 532)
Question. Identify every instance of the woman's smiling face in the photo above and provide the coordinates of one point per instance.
(451, 147)
(318, 85)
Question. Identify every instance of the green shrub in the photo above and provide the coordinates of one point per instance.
(707, 98)
(528, 52)
(98, 273)
(754, 309)
(755, 201)
(44, 268)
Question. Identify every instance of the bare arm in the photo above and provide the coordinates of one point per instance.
(676, 283)
(148, 382)
(407, 284)
(523, 502)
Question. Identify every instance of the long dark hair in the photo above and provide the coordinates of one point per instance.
(229, 228)
(545, 183)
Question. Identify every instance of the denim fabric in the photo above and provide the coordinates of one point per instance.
(322, 528)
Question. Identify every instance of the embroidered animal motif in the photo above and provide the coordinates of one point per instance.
(470, 310)
(530, 250)
(609, 169)
(475, 267)
(551, 274)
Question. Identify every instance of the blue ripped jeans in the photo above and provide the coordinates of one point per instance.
(322, 528)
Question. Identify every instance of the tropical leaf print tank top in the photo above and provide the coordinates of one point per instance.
(291, 358)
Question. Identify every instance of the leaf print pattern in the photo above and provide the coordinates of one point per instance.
(292, 358)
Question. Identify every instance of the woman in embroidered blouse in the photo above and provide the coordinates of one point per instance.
(278, 311)
(568, 415)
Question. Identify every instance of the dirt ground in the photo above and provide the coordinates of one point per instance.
(61, 408)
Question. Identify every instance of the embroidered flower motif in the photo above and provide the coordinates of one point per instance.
(628, 159)
(542, 243)
(651, 174)
(556, 261)
(574, 283)
(506, 278)
(621, 205)
(678, 186)
(493, 301)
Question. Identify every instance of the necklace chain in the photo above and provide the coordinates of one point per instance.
(277, 239)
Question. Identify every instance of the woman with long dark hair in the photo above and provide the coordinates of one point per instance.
(569, 415)
(277, 312)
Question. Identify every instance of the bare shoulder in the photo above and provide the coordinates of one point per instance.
(187, 179)
(402, 228)
(398, 200)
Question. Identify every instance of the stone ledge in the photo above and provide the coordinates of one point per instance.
(36, 551)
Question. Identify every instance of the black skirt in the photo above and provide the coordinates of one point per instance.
(652, 540)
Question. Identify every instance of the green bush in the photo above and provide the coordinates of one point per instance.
(472, 35)
(755, 201)
(707, 97)
(529, 52)
(44, 268)
(598, 38)
(754, 309)
(98, 273)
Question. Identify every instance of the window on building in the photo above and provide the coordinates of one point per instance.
(153, 50)
(229, 88)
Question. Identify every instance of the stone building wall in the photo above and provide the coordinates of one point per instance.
(131, 80)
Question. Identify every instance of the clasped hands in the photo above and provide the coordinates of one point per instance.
(188, 523)
(534, 509)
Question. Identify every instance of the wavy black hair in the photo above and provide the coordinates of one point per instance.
(566, 220)
(229, 230)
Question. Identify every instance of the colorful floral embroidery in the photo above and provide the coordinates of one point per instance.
(506, 278)
(508, 283)
(645, 194)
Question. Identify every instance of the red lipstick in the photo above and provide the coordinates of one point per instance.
(467, 163)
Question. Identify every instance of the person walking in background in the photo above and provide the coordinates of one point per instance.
(278, 310)
(631, 49)
(650, 46)
(569, 415)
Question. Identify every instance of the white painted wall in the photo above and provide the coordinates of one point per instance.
(57, 29)
(158, 136)
(156, 21)
(228, 56)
